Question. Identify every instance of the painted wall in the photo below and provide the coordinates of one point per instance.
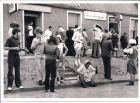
(57, 17)
(8, 18)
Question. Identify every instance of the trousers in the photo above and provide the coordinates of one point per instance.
(50, 72)
(13, 62)
(107, 66)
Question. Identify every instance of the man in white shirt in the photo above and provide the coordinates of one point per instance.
(47, 34)
(87, 74)
(97, 38)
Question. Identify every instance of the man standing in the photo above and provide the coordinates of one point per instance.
(12, 44)
(124, 41)
(97, 37)
(106, 48)
(47, 34)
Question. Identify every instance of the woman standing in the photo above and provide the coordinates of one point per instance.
(78, 43)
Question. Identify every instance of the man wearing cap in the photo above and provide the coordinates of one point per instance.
(12, 44)
(87, 74)
(132, 60)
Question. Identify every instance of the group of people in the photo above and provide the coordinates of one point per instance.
(56, 47)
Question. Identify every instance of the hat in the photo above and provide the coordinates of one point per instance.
(61, 29)
(59, 36)
(86, 61)
(79, 28)
(132, 41)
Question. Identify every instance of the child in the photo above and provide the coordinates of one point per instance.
(38, 47)
(87, 74)
(132, 53)
(63, 51)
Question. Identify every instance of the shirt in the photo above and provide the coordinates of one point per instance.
(39, 48)
(30, 31)
(12, 42)
(88, 73)
(51, 51)
(47, 34)
(77, 37)
(97, 34)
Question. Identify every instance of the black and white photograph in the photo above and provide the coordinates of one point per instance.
(83, 50)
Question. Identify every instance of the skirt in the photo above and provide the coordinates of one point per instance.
(78, 45)
(131, 67)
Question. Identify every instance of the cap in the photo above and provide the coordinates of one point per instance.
(59, 36)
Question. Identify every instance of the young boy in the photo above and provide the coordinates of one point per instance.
(132, 53)
(63, 51)
(38, 48)
(87, 74)
(12, 44)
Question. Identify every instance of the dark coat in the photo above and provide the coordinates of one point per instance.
(106, 48)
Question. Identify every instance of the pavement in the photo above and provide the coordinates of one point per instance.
(119, 75)
(117, 90)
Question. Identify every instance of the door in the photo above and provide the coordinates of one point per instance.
(73, 19)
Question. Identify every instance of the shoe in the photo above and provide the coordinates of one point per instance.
(58, 83)
(43, 83)
(46, 90)
(84, 86)
(93, 84)
(76, 63)
(131, 83)
(9, 88)
(62, 81)
(109, 78)
(40, 83)
(20, 87)
(54, 91)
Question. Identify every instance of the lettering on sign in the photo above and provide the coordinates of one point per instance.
(95, 15)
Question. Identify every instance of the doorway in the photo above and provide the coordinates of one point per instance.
(113, 24)
(34, 17)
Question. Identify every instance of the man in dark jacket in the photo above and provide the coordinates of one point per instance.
(106, 48)
(51, 52)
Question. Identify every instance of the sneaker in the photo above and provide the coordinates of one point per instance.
(21, 87)
(9, 88)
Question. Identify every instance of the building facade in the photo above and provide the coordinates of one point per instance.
(122, 17)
